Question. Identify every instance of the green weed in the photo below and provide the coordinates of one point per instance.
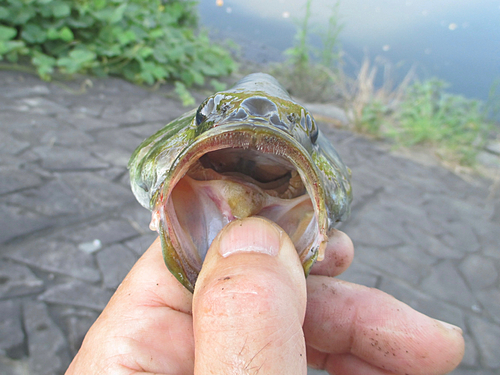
(456, 127)
(307, 73)
(145, 41)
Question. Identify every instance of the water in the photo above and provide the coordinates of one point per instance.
(455, 40)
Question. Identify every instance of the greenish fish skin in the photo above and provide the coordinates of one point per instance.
(256, 113)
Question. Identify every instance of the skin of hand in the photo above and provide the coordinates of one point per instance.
(253, 312)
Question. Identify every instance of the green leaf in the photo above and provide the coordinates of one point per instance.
(60, 9)
(111, 15)
(77, 60)
(44, 65)
(12, 45)
(4, 13)
(82, 55)
(33, 34)
(184, 94)
(126, 37)
(64, 34)
(7, 33)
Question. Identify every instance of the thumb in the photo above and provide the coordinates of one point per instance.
(249, 303)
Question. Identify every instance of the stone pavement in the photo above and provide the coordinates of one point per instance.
(70, 228)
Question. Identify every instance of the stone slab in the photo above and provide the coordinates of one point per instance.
(140, 244)
(16, 222)
(57, 158)
(479, 271)
(446, 283)
(17, 280)
(115, 262)
(11, 331)
(13, 179)
(77, 293)
(423, 302)
(9, 366)
(487, 336)
(60, 257)
(48, 354)
(107, 232)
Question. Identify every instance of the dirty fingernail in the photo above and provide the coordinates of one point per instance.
(449, 327)
(250, 235)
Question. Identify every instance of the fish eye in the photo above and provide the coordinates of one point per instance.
(200, 117)
(312, 129)
(203, 111)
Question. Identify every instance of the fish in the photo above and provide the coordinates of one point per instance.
(247, 151)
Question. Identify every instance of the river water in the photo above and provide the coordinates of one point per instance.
(455, 40)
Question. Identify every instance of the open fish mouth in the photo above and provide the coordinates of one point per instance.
(231, 172)
(247, 151)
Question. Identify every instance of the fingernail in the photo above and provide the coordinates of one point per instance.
(449, 327)
(250, 235)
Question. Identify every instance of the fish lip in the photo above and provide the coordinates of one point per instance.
(263, 138)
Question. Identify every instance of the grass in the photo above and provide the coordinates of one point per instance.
(413, 112)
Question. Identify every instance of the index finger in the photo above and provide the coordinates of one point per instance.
(345, 318)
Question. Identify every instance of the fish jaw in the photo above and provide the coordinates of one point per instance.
(238, 199)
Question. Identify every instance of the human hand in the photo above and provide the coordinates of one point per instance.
(248, 315)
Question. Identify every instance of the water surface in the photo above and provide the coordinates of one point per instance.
(455, 40)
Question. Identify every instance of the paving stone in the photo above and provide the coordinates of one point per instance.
(11, 331)
(139, 217)
(114, 174)
(471, 354)
(432, 245)
(388, 262)
(43, 106)
(487, 337)
(107, 232)
(77, 321)
(423, 302)
(489, 160)
(115, 262)
(120, 138)
(140, 244)
(9, 366)
(469, 371)
(17, 280)
(97, 192)
(18, 221)
(85, 123)
(439, 208)
(489, 233)
(23, 123)
(77, 293)
(493, 147)
(58, 257)
(145, 130)
(371, 235)
(51, 199)
(22, 91)
(362, 274)
(445, 282)
(115, 156)
(490, 299)
(414, 256)
(13, 179)
(479, 271)
(58, 158)
(127, 115)
(46, 343)
(10, 145)
(66, 137)
(461, 237)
